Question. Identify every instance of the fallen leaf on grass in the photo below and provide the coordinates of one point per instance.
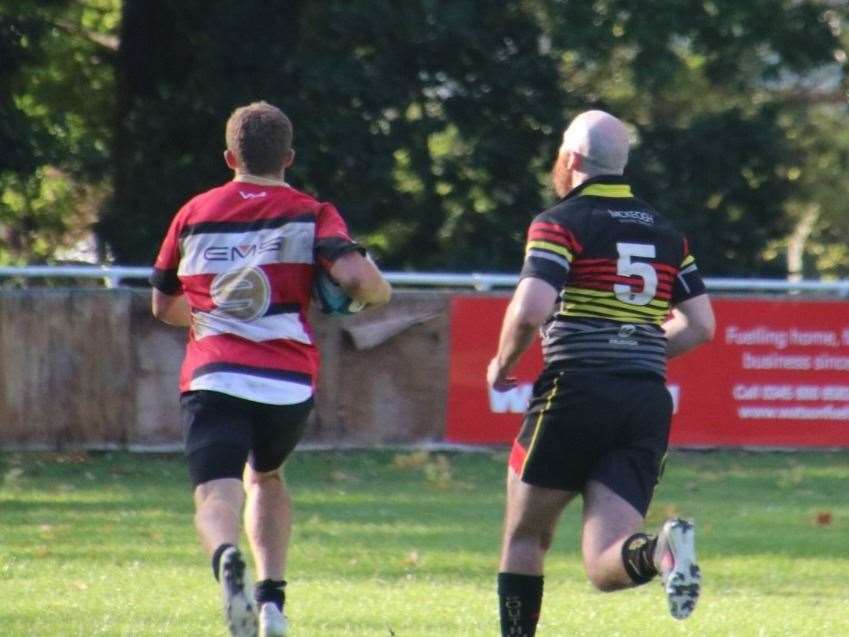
(341, 476)
(412, 559)
(410, 460)
(824, 518)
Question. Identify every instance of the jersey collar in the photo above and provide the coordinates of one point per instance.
(247, 178)
(611, 186)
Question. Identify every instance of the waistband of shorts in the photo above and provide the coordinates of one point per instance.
(625, 374)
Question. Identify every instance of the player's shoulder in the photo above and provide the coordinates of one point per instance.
(570, 213)
(560, 212)
(305, 201)
(203, 201)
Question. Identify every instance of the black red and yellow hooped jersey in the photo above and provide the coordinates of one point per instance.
(619, 267)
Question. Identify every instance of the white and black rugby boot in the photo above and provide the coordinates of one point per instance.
(272, 621)
(239, 611)
(675, 561)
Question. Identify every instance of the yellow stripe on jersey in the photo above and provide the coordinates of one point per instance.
(618, 191)
(619, 306)
(688, 260)
(622, 313)
(538, 425)
(620, 319)
(601, 294)
(552, 247)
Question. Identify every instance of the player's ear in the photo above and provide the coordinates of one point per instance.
(230, 159)
(574, 161)
(289, 158)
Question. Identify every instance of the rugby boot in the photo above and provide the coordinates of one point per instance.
(675, 560)
(239, 610)
(272, 621)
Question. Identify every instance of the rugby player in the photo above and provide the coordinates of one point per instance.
(237, 268)
(616, 292)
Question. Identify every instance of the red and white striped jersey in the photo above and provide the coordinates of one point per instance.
(245, 256)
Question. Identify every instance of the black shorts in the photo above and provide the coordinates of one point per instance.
(605, 427)
(222, 432)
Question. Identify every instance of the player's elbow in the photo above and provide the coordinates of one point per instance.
(530, 315)
(703, 330)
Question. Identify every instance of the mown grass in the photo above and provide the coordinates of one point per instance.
(406, 544)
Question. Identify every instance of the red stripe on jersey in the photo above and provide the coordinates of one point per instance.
(603, 265)
(594, 262)
(666, 269)
(606, 283)
(290, 283)
(545, 231)
(276, 355)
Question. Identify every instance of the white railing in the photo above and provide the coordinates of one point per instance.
(114, 276)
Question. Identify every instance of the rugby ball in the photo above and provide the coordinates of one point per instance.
(330, 297)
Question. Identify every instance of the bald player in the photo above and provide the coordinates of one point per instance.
(616, 292)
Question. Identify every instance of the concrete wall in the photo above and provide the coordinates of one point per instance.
(92, 368)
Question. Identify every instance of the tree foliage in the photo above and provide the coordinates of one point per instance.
(433, 124)
(56, 112)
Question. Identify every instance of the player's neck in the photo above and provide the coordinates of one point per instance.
(261, 180)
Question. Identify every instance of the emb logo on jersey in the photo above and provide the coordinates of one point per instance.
(240, 252)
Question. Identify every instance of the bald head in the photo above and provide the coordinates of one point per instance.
(601, 140)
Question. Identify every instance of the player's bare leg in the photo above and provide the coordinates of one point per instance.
(218, 506)
(530, 519)
(609, 521)
(268, 522)
(617, 555)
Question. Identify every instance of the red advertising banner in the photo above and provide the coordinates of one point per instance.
(775, 375)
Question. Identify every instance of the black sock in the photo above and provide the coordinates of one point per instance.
(269, 590)
(637, 556)
(216, 558)
(519, 604)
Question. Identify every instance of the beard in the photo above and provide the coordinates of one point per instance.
(561, 177)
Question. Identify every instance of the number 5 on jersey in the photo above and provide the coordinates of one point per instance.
(626, 267)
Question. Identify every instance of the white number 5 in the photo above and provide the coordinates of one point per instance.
(626, 267)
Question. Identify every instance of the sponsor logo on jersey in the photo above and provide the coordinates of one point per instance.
(252, 195)
(243, 294)
(243, 251)
(632, 216)
(624, 336)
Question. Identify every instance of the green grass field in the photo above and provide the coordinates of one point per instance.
(406, 544)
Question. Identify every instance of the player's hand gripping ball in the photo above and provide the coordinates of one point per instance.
(330, 297)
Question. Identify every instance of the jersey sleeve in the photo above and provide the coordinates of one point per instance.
(164, 277)
(688, 281)
(549, 252)
(331, 237)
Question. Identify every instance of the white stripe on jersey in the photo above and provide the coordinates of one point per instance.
(256, 388)
(216, 252)
(275, 326)
(548, 255)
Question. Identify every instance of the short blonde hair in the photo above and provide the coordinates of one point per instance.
(260, 135)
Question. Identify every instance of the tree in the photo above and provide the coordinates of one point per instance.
(432, 124)
(420, 119)
(56, 86)
(706, 86)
